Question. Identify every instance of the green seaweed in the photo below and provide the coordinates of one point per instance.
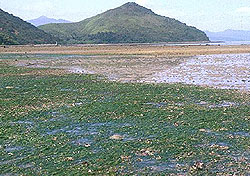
(61, 125)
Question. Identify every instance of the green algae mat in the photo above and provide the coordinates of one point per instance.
(69, 124)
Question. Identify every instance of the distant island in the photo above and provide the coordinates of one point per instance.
(229, 35)
(130, 23)
(45, 20)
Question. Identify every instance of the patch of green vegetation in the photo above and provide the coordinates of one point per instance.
(14, 31)
(61, 125)
(129, 23)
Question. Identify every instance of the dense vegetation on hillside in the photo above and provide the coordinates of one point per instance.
(14, 30)
(128, 23)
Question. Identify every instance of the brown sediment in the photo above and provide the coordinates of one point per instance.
(138, 63)
(118, 68)
(128, 50)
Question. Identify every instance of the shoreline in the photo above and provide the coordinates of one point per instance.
(184, 50)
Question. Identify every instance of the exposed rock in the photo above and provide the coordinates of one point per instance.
(116, 137)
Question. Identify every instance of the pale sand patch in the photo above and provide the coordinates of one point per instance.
(128, 50)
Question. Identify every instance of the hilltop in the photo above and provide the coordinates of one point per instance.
(14, 30)
(45, 20)
(129, 23)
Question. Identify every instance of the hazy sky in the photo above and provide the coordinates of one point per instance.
(213, 15)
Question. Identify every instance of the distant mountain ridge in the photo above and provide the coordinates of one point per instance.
(229, 35)
(14, 31)
(129, 23)
(45, 20)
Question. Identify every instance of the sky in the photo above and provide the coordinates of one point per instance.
(212, 15)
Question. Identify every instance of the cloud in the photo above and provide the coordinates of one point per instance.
(142, 2)
(243, 10)
(172, 13)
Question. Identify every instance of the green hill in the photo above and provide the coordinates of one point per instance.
(128, 23)
(14, 30)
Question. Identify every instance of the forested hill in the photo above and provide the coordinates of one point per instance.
(129, 23)
(14, 30)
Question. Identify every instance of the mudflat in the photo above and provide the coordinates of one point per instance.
(121, 110)
(216, 66)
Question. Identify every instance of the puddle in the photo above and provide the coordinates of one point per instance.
(224, 104)
(210, 132)
(78, 129)
(26, 166)
(219, 71)
(53, 116)
(11, 161)
(13, 149)
(157, 105)
(241, 157)
(79, 70)
(127, 138)
(230, 164)
(68, 90)
(154, 166)
(56, 131)
(9, 174)
(23, 122)
(241, 134)
(78, 104)
(82, 141)
(220, 144)
(59, 118)
(215, 145)
(100, 124)
(110, 124)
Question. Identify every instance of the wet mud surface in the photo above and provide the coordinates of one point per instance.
(229, 71)
(219, 71)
